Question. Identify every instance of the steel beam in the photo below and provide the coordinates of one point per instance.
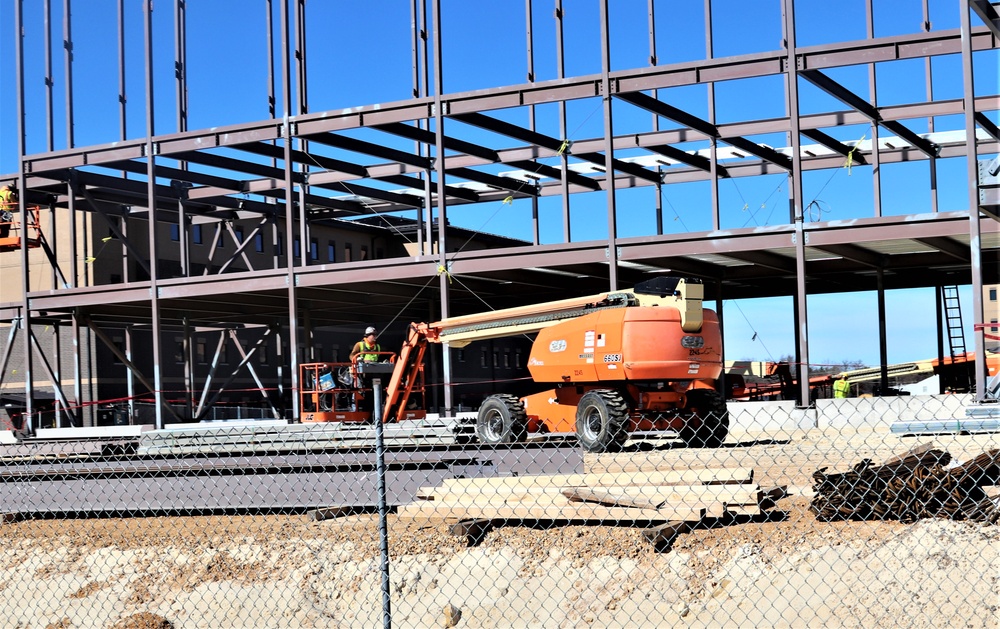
(835, 145)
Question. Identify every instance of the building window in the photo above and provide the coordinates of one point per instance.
(220, 243)
(364, 252)
(261, 353)
(506, 359)
(994, 327)
(461, 355)
(496, 358)
(296, 246)
(993, 294)
(347, 253)
(331, 251)
(196, 236)
(239, 235)
(200, 352)
(517, 359)
(482, 359)
(279, 244)
(258, 243)
(224, 354)
(314, 249)
(175, 232)
(178, 350)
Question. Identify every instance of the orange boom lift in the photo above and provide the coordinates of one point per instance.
(610, 364)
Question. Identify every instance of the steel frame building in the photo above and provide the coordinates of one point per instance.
(290, 172)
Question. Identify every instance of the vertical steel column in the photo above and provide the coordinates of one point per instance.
(428, 203)
(154, 300)
(442, 202)
(658, 204)
(28, 424)
(49, 83)
(129, 376)
(530, 45)
(799, 236)
(713, 141)
(188, 367)
(929, 78)
(303, 108)
(972, 172)
(883, 353)
(872, 97)
(68, 55)
(416, 93)
(71, 189)
(180, 63)
(939, 319)
(122, 129)
(609, 147)
(53, 241)
(293, 319)
(563, 124)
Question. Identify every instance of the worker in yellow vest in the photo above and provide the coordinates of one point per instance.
(8, 205)
(365, 351)
(841, 387)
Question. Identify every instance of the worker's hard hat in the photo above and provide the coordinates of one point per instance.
(369, 330)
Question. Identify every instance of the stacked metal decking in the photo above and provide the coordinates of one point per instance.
(979, 418)
(227, 437)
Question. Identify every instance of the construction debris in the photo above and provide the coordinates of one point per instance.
(910, 487)
(667, 503)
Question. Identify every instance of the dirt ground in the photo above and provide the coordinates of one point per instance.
(289, 571)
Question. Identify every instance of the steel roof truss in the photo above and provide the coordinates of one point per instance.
(759, 150)
(235, 165)
(856, 254)
(555, 173)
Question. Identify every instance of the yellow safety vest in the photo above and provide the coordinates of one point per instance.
(366, 356)
(841, 388)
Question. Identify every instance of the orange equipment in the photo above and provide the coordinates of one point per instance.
(10, 228)
(615, 363)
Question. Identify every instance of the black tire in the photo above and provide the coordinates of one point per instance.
(601, 421)
(501, 419)
(708, 419)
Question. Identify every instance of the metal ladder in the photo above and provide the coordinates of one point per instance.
(953, 319)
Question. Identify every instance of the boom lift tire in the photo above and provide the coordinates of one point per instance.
(708, 406)
(601, 421)
(501, 419)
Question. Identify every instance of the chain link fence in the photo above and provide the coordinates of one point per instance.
(859, 512)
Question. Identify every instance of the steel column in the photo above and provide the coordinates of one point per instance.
(29, 385)
(443, 271)
(151, 216)
(563, 126)
(293, 319)
(609, 149)
(972, 174)
(801, 297)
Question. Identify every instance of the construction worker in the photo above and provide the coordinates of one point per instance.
(841, 387)
(8, 205)
(365, 351)
(367, 348)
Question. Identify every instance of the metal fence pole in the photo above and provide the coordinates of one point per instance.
(383, 529)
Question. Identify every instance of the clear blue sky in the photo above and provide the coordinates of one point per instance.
(359, 53)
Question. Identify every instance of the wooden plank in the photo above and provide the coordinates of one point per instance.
(651, 497)
(671, 477)
(567, 511)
